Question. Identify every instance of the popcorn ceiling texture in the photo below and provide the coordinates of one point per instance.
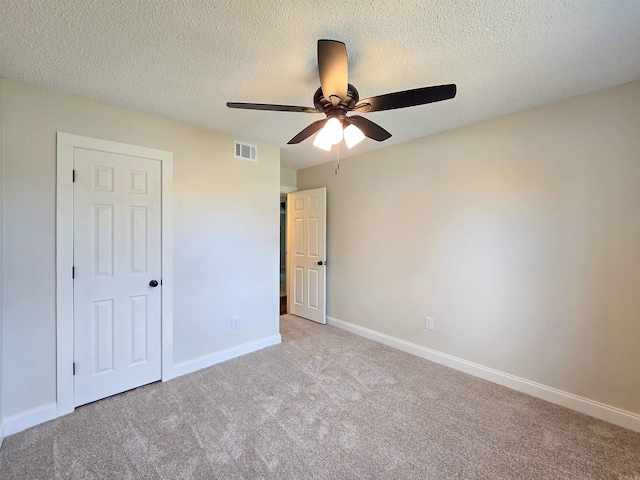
(184, 60)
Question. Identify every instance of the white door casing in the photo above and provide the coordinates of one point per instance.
(306, 252)
(116, 217)
(69, 147)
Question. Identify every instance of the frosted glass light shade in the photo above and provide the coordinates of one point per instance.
(321, 141)
(333, 130)
(353, 136)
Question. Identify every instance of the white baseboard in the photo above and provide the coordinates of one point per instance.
(30, 418)
(205, 361)
(595, 409)
(33, 417)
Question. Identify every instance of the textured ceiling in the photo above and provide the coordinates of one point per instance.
(184, 60)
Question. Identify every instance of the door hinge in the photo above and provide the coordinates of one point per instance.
(73, 176)
(73, 272)
(74, 368)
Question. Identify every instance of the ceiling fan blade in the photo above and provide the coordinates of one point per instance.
(333, 69)
(307, 132)
(370, 129)
(273, 108)
(407, 98)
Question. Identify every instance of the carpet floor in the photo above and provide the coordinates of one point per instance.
(324, 404)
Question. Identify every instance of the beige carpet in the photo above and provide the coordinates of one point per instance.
(323, 404)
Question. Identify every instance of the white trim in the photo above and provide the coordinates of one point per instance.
(595, 409)
(66, 144)
(64, 282)
(167, 266)
(287, 190)
(35, 416)
(205, 361)
(30, 418)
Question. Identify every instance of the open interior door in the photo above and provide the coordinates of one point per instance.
(306, 253)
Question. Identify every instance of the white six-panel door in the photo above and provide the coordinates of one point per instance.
(306, 251)
(117, 253)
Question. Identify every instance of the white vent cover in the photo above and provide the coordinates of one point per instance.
(246, 151)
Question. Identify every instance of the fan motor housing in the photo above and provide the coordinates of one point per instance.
(323, 104)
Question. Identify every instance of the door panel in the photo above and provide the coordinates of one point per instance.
(313, 282)
(103, 348)
(298, 285)
(139, 331)
(104, 239)
(117, 213)
(298, 236)
(307, 253)
(138, 216)
(314, 240)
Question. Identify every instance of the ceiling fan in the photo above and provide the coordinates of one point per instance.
(336, 97)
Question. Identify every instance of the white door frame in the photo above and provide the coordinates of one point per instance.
(67, 144)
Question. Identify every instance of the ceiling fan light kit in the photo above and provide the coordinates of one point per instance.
(322, 141)
(333, 130)
(336, 97)
(353, 136)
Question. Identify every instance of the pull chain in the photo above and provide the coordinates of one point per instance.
(337, 169)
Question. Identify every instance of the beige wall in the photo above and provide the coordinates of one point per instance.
(519, 235)
(226, 225)
(287, 177)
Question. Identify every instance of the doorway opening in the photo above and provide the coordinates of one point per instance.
(306, 232)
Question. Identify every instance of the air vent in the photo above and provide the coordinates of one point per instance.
(246, 151)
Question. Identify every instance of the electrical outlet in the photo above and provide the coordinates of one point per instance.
(234, 322)
(429, 323)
